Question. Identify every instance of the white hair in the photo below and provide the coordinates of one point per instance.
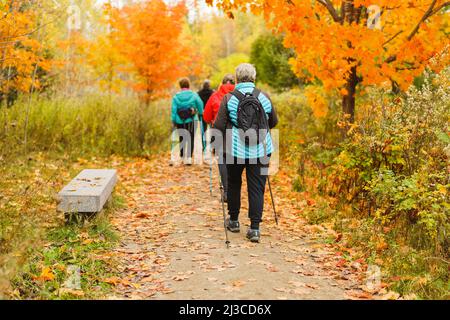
(245, 72)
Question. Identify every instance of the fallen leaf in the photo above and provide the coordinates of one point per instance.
(87, 241)
(147, 279)
(312, 286)
(141, 215)
(46, 275)
(180, 277)
(113, 280)
(238, 283)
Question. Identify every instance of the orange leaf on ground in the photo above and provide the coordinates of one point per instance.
(46, 275)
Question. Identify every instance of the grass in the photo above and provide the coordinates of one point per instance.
(413, 273)
(70, 251)
(89, 125)
(37, 247)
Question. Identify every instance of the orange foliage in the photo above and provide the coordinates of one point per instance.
(19, 52)
(331, 37)
(316, 99)
(148, 35)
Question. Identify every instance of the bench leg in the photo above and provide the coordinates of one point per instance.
(78, 218)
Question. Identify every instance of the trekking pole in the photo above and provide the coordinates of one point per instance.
(268, 182)
(227, 241)
(202, 130)
(210, 168)
(204, 149)
(273, 202)
(210, 174)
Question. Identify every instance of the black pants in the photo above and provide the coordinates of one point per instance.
(223, 172)
(256, 185)
(187, 144)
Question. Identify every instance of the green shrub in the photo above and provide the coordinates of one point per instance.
(388, 175)
(271, 60)
(394, 163)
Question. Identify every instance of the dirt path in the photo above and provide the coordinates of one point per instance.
(172, 244)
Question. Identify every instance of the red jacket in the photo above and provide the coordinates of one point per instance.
(213, 105)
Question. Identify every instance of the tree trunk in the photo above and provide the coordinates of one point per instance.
(348, 100)
(350, 14)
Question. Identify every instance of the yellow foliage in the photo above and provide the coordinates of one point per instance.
(317, 101)
(21, 54)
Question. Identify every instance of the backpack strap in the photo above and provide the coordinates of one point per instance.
(256, 92)
(238, 94)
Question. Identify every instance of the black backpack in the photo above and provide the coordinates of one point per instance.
(251, 116)
(186, 113)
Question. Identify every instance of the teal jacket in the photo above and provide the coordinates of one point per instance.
(186, 99)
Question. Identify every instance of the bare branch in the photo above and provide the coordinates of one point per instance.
(331, 10)
(393, 37)
(430, 12)
(439, 8)
(426, 15)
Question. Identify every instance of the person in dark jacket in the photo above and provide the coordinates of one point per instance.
(252, 158)
(186, 105)
(210, 114)
(205, 93)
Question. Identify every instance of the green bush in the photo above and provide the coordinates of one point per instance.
(394, 163)
(387, 174)
(271, 60)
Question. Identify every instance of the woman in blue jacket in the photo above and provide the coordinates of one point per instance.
(186, 106)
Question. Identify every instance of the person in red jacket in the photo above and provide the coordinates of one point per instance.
(209, 116)
(213, 104)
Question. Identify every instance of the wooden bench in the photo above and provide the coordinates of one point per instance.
(88, 192)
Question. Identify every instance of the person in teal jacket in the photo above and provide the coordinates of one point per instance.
(186, 107)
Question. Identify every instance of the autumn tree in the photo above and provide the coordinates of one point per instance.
(21, 54)
(349, 43)
(148, 35)
(104, 56)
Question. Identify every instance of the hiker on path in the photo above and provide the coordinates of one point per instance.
(250, 154)
(186, 107)
(210, 114)
(205, 93)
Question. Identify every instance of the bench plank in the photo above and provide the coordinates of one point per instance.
(87, 192)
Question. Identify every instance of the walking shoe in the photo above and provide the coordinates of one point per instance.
(233, 226)
(188, 161)
(253, 235)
